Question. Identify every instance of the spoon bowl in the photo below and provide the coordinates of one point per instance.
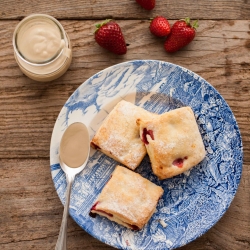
(74, 144)
(72, 171)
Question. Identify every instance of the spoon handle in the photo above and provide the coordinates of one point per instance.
(61, 241)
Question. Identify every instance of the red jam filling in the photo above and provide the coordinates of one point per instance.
(93, 215)
(94, 206)
(179, 162)
(93, 145)
(133, 227)
(98, 210)
(145, 133)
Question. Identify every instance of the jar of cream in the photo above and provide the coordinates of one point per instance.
(42, 48)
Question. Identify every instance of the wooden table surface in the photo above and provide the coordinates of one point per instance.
(30, 210)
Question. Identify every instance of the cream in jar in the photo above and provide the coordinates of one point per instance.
(42, 47)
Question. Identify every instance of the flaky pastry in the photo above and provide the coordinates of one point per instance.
(118, 136)
(128, 199)
(173, 142)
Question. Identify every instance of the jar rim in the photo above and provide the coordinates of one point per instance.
(25, 20)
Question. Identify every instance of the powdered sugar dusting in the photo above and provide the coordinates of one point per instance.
(164, 147)
(130, 195)
(118, 136)
(128, 109)
(134, 208)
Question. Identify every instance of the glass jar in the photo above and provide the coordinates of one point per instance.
(42, 48)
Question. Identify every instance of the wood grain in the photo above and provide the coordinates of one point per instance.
(31, 213)
(219, 53)
(30, 210)
(127, 9)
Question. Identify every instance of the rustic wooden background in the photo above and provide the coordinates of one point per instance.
(30, 210)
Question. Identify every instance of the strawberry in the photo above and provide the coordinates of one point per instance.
(182, 33)
(159, 26)
(109, 36)
(146, 4)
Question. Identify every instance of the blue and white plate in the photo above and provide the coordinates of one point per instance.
(192, 202)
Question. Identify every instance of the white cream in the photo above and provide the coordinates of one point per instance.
(42, 48)
(40, 42)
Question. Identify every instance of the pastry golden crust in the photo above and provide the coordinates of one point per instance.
(173, 142)
(118, 137)
(128, 199)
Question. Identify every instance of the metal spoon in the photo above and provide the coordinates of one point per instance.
(74, 135)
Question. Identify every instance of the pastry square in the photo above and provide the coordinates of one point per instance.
(128, 199)
(173, 142)
(118, 136)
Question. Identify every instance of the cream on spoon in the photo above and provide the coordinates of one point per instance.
(73, 154)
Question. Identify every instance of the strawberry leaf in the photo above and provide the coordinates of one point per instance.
(99, 25)
(187, 20)
(195, 24)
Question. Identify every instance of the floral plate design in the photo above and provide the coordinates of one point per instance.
(193, 201)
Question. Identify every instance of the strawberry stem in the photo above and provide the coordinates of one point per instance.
(99, 25)
(194, 25)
